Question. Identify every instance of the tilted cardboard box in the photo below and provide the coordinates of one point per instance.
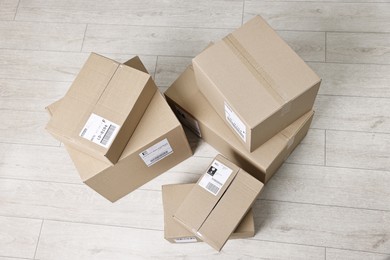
(217, 203)
(255, 82)
(194, 111)
(173, 195)
(102, 108)
(158, 143)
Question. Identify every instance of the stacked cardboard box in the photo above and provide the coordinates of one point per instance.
(147, 141)
(251, 97)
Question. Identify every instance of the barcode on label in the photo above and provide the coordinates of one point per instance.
(99, 130)
(215, 177)
(158, 157)
(212, 188)
(235, 122)
(186, 240)
(236, 128)
(108, 135)
(156, 152)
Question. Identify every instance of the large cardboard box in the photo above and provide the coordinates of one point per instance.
(194, 111)
(255, 82)
(216, 204)
(158, 143)
(103, 106)
(173, 195)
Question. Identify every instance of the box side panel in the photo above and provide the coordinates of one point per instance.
(131, 121)
(200, 201)
(290, 145)
(132, 172)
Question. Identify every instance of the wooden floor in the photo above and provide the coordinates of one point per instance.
(331, 200)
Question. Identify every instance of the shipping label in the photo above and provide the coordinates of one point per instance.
(188, 120)
(215, 177)
(186, 240)
(156, 152)
(99, 130)
(235, 122)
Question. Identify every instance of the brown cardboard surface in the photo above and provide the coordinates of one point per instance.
(194, 111)
(264, 82)
(117, 93)
(130, 172)
(213, 215)
(173, 195)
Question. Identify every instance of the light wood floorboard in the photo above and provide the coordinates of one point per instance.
(203, 13)
(330, 200)
(90, 242)
(337, 254)
(19, 236)
(358, 150)
(324, 16)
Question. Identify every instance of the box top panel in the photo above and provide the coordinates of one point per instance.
(173, 195)
(254, 56)
(103, 91)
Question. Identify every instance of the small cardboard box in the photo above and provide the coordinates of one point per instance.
(195, 112)
(157, 144)
(217, 203)
(103, 106)
(173, 195)
(255, 82)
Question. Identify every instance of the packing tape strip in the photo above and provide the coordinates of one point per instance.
(257, 71)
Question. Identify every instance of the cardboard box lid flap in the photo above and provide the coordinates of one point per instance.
(136, 63)
(174, 194)
(208, 62)
(118, 97)
(93, 78)
(229, 211)
(282, 64)
(53, 107)
(200, 202)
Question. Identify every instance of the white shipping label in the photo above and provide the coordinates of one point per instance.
(215, 177)
(235, 122)
(156, 152)
(99, 130)
(186, 240)
(188, 120)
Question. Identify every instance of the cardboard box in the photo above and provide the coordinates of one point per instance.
(173, 195)
(255, 82)
(157, 144)
(216, 204)
(194, 111)
(102, 108)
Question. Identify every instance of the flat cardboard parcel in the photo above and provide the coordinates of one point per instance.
(217, 203)
(173, 195)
